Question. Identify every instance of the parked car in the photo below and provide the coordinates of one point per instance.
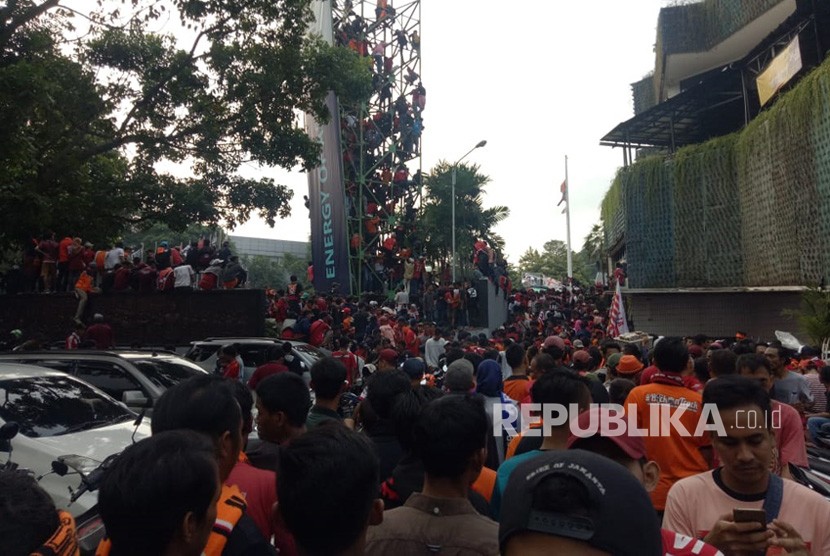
(62, 418)
(136, 378)
(254, 352)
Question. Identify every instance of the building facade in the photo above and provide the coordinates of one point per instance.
(725, 186)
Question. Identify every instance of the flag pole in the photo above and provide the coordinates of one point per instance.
(568, 225)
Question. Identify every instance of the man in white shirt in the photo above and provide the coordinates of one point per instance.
(434, 349)
(184, 277)
(114, 256)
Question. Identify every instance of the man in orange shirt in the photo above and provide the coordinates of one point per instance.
(83, 287)
(679, 453)
(517, 386)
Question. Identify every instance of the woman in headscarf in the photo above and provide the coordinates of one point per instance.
(489, 384)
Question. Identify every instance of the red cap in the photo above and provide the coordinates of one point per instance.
(554, 341)
(388, 355)
(633, 446)
(581, 356)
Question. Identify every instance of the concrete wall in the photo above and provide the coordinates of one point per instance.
(491, 304)
(759, 314)
(156, 319)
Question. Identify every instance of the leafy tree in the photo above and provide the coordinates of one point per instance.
(472, 220)
(552, 261)
(92, 116)
(594, 245)
(265, 272)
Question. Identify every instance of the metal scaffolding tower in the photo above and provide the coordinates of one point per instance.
(381, 140)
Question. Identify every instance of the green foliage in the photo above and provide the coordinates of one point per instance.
(814, 317)
(611, 211)
(90, 120)
(265, 272)
(696, 26)
(473, 221)
(552, 261)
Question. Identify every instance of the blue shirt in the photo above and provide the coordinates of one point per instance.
(503, 475)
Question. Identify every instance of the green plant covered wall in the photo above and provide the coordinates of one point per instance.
(700, 26)
(747, 209)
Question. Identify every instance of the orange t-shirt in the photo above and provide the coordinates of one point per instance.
(677, 455)
(514, 442)
(84, 282)
(517, 387)
(485, 483)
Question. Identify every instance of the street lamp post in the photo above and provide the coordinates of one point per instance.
(454, 172)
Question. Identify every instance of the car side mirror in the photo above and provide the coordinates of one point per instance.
(9, 430)
(134, 398)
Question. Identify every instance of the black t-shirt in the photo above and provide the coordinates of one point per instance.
(247, 540)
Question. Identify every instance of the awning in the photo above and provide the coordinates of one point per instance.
(701, 112)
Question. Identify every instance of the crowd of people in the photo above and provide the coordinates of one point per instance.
(71, 265)
(380, 142)
(392, 447)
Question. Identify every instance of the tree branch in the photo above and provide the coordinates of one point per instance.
(149, 97)
(14, 23)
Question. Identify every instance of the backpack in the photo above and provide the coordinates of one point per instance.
(165, 280)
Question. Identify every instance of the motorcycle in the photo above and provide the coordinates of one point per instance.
(89, 526)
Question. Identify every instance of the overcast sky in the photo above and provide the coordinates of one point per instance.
(538, 81)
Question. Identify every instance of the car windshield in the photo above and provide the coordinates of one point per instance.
(309, 351)
(201, 352)
(166, 373)
(55, 405)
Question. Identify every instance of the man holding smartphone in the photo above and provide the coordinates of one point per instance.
(726, 507)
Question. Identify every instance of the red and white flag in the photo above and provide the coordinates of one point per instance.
(563, 189)
(617, 321)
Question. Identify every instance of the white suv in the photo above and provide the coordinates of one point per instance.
(62, 418)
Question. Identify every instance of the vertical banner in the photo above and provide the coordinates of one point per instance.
(617, 320)
(329, 244)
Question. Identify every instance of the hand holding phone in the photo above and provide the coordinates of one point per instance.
(746, 515)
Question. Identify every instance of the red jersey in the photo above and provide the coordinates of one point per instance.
(231, 370)
(675, 544)
(410, 340)
(259, 486)
(208, 281)
(317, 333)
(63, 249)
(350, 361)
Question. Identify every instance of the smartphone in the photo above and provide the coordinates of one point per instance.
(745, 515)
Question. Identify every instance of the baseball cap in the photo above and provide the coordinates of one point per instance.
(578, 344)
(414, 367)
(459, 375)
(554, 341)
(581, 356)
(613, 360)
(633, 446)
(617, 516)
(388, 355)
(629, 365)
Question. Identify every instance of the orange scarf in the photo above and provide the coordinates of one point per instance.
(64, 541)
